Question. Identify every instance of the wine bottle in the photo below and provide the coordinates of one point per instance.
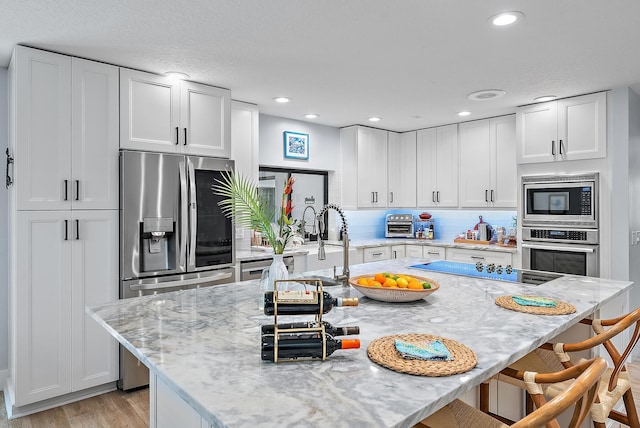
(305, 348)
(328, 328)
(304, 302)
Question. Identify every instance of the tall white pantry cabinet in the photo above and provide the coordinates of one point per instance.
(63, 214)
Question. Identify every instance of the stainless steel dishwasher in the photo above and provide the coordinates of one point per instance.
(252, 269)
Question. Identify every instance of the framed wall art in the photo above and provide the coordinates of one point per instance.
(296, 145)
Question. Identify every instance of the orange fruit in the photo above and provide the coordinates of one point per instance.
(380, 278)
(402, 282)
(363, 281)
(415, 285)
(390, 283)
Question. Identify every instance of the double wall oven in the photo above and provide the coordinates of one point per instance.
(560, 223)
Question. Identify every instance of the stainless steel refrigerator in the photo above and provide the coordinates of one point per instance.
(173, 234)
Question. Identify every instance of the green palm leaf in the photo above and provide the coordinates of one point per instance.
(244, 205)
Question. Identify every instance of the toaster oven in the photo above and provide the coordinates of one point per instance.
(399, 226)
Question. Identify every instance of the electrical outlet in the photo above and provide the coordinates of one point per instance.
(635, 237)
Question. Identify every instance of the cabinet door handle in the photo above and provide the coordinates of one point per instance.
(477, 258)
(77, 190)
(372, 198)
(438, 196)
(376, 254)
(486, 195)
(433, 253)
(553, 147)
(433, 196)
(492, 196)
(560, 147)
(66, 230)
(395, 255)
(66, 191)
(376, 196)
(177, 135)
(9, 162)
(391, 197)
(77, 229)
(185, 136)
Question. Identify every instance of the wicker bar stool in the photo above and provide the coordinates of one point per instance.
(615, 382)
(582, 392)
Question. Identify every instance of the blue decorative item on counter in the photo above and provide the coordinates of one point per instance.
(534, 301)
(427, 351)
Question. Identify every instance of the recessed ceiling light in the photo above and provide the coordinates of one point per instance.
(506, 18)
(311, 116)
(464, 113)
(486, 94)
(176, 75)
(374, 119)
(282, 99)
(545, 98)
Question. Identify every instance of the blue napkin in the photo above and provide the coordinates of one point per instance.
(534, 301)
(427, 350)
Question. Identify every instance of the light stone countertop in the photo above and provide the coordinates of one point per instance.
(204, 343)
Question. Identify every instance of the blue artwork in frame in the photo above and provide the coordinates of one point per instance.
(296, 145)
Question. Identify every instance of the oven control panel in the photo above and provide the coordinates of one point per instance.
(582, 236)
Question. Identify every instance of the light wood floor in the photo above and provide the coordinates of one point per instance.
(114, 409)
(131, 410)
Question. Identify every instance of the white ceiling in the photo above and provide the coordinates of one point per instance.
(412, 62)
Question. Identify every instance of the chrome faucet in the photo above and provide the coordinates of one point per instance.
(303, 223)
(344, 278)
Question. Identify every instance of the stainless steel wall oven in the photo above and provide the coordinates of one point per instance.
(560, 224)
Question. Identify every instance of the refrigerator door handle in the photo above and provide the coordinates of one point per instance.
(193, 220)
(184, 223)
(181, 283)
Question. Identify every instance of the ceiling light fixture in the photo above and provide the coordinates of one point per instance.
(374, 119)
(464, 113)
(282, 99)
(176, 75)
(311, 116)
(506, 18)
(544, 98)
(486, 94)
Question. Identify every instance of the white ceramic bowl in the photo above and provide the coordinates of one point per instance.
(385, 294)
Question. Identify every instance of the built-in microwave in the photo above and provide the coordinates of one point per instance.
(560, 200)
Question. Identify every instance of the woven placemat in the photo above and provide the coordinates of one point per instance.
(383, 351)
(561, 308)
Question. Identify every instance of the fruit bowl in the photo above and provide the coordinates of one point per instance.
(386, 294)
(424, 216)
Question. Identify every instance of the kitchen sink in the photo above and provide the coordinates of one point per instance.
(520, 276)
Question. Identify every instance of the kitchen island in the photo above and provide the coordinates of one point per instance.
(202, 347)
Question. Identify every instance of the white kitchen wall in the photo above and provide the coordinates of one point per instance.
(324, 144)
(634, 197)
(4, 280)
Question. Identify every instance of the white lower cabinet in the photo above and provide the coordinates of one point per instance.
(434, 253)
(413, 251)
(169, 410)
(64, 261)
(376, 253)
(398, 251)
(473, 256)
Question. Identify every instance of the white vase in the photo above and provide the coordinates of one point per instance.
(277, 271)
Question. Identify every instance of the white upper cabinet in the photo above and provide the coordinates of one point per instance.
(42, 129)
(94, 135)
(437, 167)
(568, 129)
(402, 169)
(65, 132)
(364, 163)
(161, 114)
(488, 172)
